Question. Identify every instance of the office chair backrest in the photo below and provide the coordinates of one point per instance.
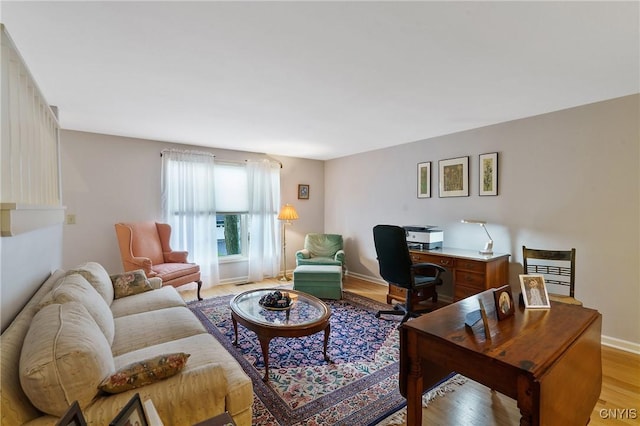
(393, 254)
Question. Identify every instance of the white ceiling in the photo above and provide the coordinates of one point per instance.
(320, 80)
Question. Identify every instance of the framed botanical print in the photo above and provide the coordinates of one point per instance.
(488, 174)
(424, 180)
(454, 177)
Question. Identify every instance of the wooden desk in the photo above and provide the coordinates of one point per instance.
(472, 272)
(548, 360)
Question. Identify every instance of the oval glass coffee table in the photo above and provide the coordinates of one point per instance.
(307, 315)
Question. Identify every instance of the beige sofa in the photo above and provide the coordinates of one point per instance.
(54, 353)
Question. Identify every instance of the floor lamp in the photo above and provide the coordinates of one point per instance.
(287, 214)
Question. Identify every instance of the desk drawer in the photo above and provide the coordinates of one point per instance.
(445, 262)
(462, 292)
(470, 279)
(471, 265)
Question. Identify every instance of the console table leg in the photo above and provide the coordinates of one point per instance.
(526, 403)
(414, 394)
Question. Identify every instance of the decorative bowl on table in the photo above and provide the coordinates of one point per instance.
(276, 301)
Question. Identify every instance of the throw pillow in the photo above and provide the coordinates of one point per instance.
(98, 277)
(129, 283)
(144, 372)
(64, 358)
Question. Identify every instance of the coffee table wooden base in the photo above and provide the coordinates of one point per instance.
(265, 333)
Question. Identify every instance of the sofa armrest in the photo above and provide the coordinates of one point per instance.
(156, 282)
(175, 256)
(303, 254)
(339, 256)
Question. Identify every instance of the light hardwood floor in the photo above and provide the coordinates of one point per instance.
(475, 404)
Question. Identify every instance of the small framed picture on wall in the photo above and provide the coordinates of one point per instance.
(424, 180)
(303, 192)
(454, 177)
(488, 174)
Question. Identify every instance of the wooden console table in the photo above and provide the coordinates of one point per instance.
(472, 272)
(548, 360)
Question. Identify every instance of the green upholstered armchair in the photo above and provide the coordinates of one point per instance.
(321, 249)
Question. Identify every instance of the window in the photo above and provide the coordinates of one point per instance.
(232, 202)
(231, 234)
(205, 200)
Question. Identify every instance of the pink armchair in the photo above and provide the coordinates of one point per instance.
(145, 245)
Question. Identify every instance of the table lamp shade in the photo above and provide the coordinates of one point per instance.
(288, 212)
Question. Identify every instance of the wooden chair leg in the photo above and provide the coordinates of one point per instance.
(199, 287)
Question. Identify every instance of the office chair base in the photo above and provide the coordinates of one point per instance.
(401, 310)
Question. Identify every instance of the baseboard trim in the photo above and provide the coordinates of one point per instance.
(623, 345)
(368, 278)
(379, 281)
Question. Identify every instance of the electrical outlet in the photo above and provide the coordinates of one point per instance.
(71, 219)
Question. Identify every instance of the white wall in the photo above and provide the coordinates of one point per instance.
(109, 179)
(566, 179)
(26, 260)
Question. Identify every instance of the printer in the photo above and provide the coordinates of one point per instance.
(424, 237)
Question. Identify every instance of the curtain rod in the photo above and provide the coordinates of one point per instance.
(186, 151)
(212, 155)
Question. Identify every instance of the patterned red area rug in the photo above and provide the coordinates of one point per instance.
(358, 387)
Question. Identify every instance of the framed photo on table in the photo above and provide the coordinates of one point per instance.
(504, 302)
(534, 291)
(132, 414)
(73, 416)
(454, 177)
(488, 172)
(424, 180)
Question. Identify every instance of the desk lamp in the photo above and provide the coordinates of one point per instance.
(287, 214)
(488, 247)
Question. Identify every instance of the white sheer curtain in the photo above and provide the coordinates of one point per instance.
(188, 204)
(263, 178)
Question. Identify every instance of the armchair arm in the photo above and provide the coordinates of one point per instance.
(303, 254)
(339, 256)
(429, 269)
(144, 263)
(170, 255)
(175, 256)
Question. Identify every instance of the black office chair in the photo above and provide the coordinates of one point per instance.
(397, 269)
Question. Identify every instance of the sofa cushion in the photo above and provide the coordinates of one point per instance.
(64, 358)
(130, 283)
(165, 297)
(144, 373)
(97, 277)
(151, 328)
(191, 396)
(75, 288)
